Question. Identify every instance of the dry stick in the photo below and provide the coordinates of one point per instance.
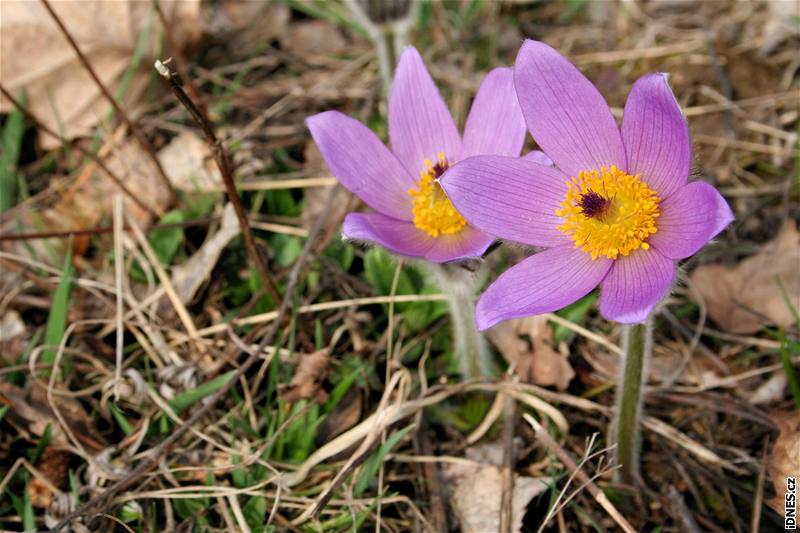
(117, 109)
(99, 230)
(221, 158)
(507, 493)
(155, 454)
(87, 153)
(570, 463)
(180, 59)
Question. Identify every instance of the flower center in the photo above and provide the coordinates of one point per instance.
(609, 212)
(434, 213)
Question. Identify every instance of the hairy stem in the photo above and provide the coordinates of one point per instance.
(629, 400)
(469, 345)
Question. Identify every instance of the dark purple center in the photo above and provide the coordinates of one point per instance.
(593, 205)
(439, 168)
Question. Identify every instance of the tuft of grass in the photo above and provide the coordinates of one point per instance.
(57, 320)
(9, 155)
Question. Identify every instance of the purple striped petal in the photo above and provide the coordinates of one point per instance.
(362, 163)
(544, 282)
(656, 135)
(537, 156)
(420, 125)
(690, 218)
(634, 286)
(565, 113)
(509, 197)
(395, 235)
(495, 124)
(467, 243)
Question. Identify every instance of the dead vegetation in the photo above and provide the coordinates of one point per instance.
(152, 380)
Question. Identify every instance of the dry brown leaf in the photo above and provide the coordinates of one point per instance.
(784, 460)
(190, 276)
(308, 376)
(36, 57)
(54, 466)
(477, 488)
(748, 297)
(31, 412)
(344, 416)
(527, 344)
(313, 37)
(188, 162)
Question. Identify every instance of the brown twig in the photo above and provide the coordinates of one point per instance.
(507, 492)
(180, 59)
(88, 153)
(223, 162)
(34, 235)
(117, 109)
(565, 457)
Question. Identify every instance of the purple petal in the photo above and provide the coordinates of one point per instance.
(537, 156)
(544, 282)
(362, 163)
(467, 243)
(634, 286)
(656, 135)
(395, 235)
(420, 125)
(509, 197)
(495, 124)
(690, 218)
(565, 113)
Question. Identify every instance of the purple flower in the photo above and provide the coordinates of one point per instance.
(413, 216)
(618, 211)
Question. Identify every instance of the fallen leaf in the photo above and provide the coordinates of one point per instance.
(784, 459)
(31, 412)
(477, 489)
(308, 376)
(36, 58)
(344, 416)
(747, 297)
(53, 466)
(315, 37)
(188, 277)
(527, 344)
(190, 165)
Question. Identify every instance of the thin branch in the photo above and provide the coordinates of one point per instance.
(223, 162)
(565, 457)
(99, 230)
(87, 153)
(117, 109)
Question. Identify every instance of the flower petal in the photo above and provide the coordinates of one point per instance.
(537, 156)
(362, 163)
(420, 125)
(508, 197)
(466, 244)
(690, 218)
(634, 286)
(395, 235)
(565, 113)
(656, 135)
(495, 124)
(544, 282)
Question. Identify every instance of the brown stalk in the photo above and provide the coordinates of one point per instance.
(223, 162)
(180, 59)
(154, 456)
(117, 109)
(99, 230)
(99, 162)
(509, 460)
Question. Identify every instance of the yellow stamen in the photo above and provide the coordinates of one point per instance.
(609, 212)
(434, 213)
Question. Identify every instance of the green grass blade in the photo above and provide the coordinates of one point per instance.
(186, 399)
(371, 466)
(57, 320)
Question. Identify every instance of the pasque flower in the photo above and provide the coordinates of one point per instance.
(617, 210)
(413, 217)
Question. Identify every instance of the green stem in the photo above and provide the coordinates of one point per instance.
(629, 400)
(469, 345)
